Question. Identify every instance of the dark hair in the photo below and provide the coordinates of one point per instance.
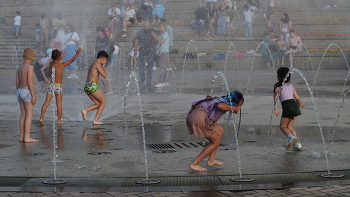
(43, 15)
(56, 54)
(18, 12)
(70, 27)
(268, 16)
(246, 6)
(102, 54)
(58, 14)
(100, 28)
(38, 25)
(281, 75)
(286, 18)
(233, 98)
(292, 31)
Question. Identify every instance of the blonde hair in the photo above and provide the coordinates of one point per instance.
(28, 53)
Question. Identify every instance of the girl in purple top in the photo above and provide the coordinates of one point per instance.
(290, 102)
(201, 122)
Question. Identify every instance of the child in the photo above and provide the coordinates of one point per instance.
(290, 102)
(56, 88)
(233, 17)
(248, 20)
(201, 122)
(17, 24)
(49, 50)
(281, 45)
(270, 6)
(41, 70)
(114, 62)
(26, 95)
(133, 57)
(37, 35)
(293, 43)
(91, 88)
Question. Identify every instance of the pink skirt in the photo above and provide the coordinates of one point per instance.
(198, 123)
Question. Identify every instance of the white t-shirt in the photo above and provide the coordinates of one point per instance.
(272, 3)
(17, 20)
(210, 1)
(116, 49)
(67, 36)
(248, 16)
(116, 11)
(130, 13)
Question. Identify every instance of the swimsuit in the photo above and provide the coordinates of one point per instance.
(293, 47)
(55, 88)
(90, 87)
(24, 95)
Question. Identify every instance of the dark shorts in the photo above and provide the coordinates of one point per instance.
(293, 47)
(290, 109)
(131, 20)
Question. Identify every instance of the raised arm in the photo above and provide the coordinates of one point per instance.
(64, 64)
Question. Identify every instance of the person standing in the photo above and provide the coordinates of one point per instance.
(147, 44)
(103, 43)
(248, 21)
(163, 47)
(70, 38)
(17, 24)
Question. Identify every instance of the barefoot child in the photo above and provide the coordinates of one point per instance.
(26, 95)
(281, 45)
(91, 88)
(201, 121)
(293, 44)
(290, 102)
(56, 88)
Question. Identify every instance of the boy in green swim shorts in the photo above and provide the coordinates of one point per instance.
(91, 88)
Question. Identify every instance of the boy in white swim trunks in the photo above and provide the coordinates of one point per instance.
(91, 88)
(26, 95)
(56, 84)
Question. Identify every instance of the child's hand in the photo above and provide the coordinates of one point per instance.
(302, 105)
(79, 50)
(276, 111)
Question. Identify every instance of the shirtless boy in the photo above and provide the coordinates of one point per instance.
(56, 88)
(281, 45)
(26, 95)
(91, 88)
(293, 44)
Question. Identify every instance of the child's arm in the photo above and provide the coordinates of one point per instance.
(102, 71)
(30, 78)
(42, 70)
(17, 80)
(225, 107)
(297, 98)
(275, 97)
(64, 64)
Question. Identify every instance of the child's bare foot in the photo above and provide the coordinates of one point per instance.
(41, 122)
(21, 140)
(60, 122)
(97, 122)
(198, 168)
(109, 93)
(83, 112)
(30, 140)
(215, 162)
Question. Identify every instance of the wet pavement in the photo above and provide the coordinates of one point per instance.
(109, 158)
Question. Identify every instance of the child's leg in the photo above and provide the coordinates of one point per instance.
(282, 63)
(21, 122)
(90, 108)
(291, 128)
(210, 150)
(109, 87)
(102, 102)
(28, 108)
(44, 107)
(59, 98)
(286, 124)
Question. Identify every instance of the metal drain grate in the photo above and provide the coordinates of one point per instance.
(179, 145)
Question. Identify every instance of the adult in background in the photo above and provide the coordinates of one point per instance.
(103, 43)
(221, 22)
(145, 11)
(270, 24)
(70, 40)
(200, 18)
(113, 17)
(163, 47)
(285, 26)
(270, 51)
(147, 44)
(158, 10)
(124, 4)
(58, 20)
(209, 1)
(129, 18)
(212, 11)
(58, 37)
(44, 25)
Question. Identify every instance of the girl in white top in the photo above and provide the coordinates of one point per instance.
(129, 18)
